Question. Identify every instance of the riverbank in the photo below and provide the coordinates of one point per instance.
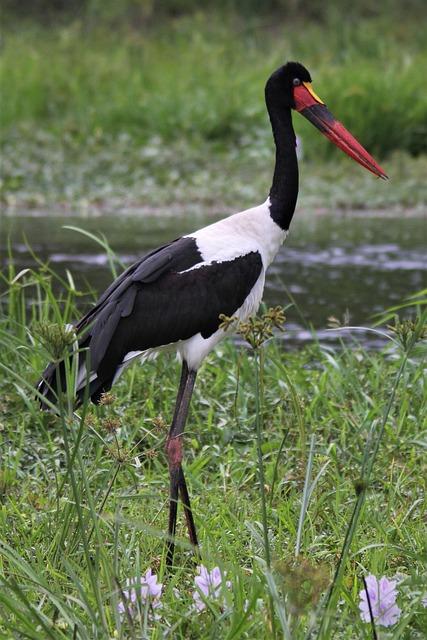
(42, 171)
(172, 114)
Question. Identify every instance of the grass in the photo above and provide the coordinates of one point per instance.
(163, 115)
(84, 495)
(201, 77)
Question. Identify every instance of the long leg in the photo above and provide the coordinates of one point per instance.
(173, 473)
(174, 453)
(191, 527)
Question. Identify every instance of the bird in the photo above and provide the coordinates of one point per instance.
(171, 299)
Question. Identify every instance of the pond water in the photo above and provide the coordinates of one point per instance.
(332, 264)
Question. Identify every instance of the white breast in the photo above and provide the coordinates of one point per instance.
(237, 235)
(195, 349)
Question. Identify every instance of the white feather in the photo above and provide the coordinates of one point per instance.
(240, 234)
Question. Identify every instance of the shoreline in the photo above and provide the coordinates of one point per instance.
(197, 209)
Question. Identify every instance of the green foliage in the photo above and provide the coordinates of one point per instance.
(201, 77)
(142, 11)
(82, 494)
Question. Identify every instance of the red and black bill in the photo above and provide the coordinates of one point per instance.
(311, 107)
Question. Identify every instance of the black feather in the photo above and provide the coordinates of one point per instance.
(158, 300)
(175, 307)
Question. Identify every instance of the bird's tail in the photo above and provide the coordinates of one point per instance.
(47, 386)
(70, 377)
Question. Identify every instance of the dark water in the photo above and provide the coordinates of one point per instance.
(355, 263)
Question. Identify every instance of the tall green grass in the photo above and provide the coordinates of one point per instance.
(83, 495)
(201, 77)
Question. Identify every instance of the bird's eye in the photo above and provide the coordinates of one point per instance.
(296, 82)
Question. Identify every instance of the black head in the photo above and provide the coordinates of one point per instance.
(281, 83)
(290, 88)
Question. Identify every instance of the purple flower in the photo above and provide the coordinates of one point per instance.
(424, 600)
(382, 596)
(140, 592)
(208, 584)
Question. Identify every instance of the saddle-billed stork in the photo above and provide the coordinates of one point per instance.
(172, 298)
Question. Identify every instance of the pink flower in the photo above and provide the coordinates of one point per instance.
(382, 597)
(208, 584)
(140, 592)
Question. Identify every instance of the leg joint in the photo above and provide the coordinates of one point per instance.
(174, 451)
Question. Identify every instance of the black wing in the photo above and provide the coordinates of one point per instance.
(160, 300)
(117, 299)
(178, 255)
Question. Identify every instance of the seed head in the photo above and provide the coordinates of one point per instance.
(406, 330)
(111, 424)
(107, 399)
(55, 338)
(227, 321)
(159, 423)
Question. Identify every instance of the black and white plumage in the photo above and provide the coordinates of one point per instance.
(173, 297)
